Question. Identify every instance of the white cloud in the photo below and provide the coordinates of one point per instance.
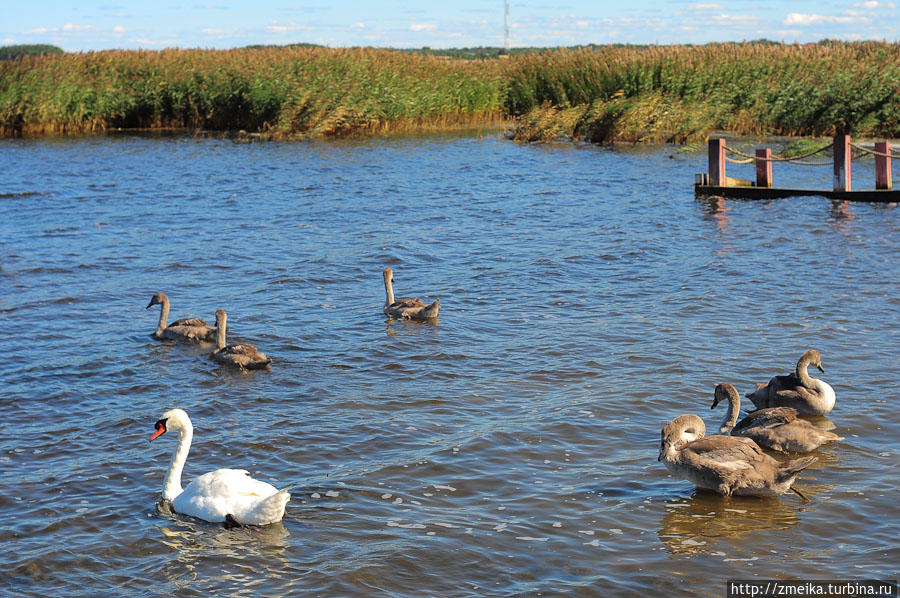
(119, 29)
(40, 31)
(276, 27)
(422, 27)
(154, 42)
(358, 26)
(72, 28)
(724, 19)
(706, 7)
(796, 18)
(870, 4)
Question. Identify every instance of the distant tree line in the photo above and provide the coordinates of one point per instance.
(13, 52)
(475, 53)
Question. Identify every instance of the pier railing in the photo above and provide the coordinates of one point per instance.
(842, 151)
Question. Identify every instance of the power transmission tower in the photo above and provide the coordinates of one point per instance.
(506, 29)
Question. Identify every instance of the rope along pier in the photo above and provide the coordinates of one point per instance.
(716, 183)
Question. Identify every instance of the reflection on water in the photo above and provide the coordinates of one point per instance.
(412, 327)
(840, 212)
(251, 551)
(224, 536)
(695, 524)
(820, 421)
(189, 536)
(716, 209)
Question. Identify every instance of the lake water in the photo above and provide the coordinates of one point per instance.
(508, 448)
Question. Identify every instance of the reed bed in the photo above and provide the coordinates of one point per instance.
(680, 93)
(276, 91)
(674, 93)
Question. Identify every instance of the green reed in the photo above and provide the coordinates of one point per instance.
(279, 91)
(599, 93)
(680, 92)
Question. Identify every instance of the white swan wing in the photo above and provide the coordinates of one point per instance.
(826, 394)
(216, 494)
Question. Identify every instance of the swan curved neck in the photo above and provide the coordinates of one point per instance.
(163, 316)
(803, 375)
(389, 291)
(734, 410)
(172, 485)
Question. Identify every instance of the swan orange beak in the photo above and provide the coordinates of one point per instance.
(160, 427)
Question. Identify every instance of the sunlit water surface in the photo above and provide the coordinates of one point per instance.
(508, 448)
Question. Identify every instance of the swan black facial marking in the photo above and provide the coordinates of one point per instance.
(159, 429)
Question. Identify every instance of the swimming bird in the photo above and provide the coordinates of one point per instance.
(808, 395)
(728, 465)
(407, 308)
(774, 428)
(243, 355)
(219, 495)
(192, 330)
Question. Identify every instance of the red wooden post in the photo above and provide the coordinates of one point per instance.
(717, 163)
(883, 177)
(841, 162)
(764, 167)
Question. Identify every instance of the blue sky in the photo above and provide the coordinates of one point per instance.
(104, 24)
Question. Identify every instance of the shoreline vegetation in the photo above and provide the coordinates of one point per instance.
(600, 94)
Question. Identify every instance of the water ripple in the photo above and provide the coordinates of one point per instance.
(504, 449)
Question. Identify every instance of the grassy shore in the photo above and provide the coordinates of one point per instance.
(602, 94)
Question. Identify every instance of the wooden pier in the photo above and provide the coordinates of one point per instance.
(716, 183)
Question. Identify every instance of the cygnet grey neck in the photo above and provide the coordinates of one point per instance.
(221, 318)
(388, 289)
(802, 374)
(728, 392)
(163, 315)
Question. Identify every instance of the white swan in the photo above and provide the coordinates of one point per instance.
(243, 355)
(725, 464)
(774, 428)
(808, 395)
(220, 494)
(192, 330)
(407, 308)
